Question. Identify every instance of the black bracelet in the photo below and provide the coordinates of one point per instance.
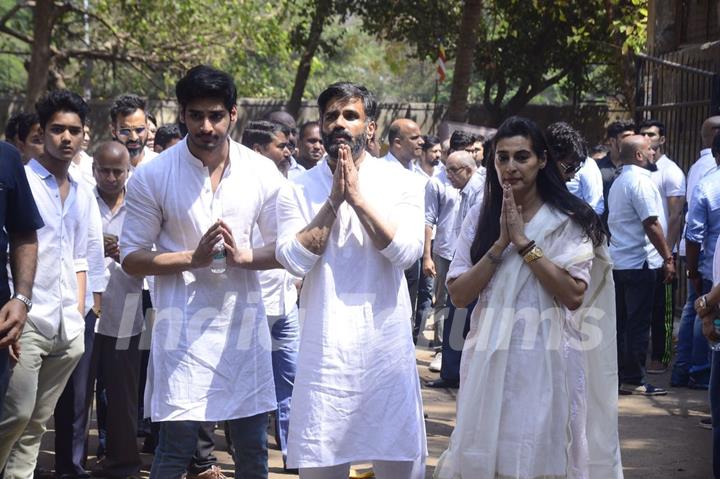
(526, 249)
(496, 260)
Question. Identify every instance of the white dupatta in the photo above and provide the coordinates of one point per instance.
(473, 449)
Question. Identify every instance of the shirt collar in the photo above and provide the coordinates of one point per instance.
(636, 169)
(39, 169)
(706, 152)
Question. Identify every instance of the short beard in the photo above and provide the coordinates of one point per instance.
(357, 144)
(134, 152)
(651, 166)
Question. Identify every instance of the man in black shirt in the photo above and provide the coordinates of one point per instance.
(19, 219)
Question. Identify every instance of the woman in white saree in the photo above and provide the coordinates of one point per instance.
(538, 388)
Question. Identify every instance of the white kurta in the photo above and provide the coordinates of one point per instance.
(357, 392)
(210, 353)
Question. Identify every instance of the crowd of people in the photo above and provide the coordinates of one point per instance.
(183, 281)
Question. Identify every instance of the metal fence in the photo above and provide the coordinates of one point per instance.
(680, 89)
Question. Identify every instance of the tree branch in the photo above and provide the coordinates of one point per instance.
(4, 28)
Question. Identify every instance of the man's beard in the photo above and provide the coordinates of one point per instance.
(135, 151)
(650, 166)
(357, 144)
(434, 162)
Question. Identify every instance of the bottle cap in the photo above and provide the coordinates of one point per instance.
(716, 322)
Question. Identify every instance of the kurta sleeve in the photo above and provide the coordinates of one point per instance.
(267, 218)
(143, 219)
(407, 244)
(290, 220)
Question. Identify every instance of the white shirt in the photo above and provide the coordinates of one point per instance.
(356, 394)
(419, 176)
(702, 166)
(295, 168)
(84, 169)
(670, 182)
(587, 184)
(62, 252)
(122, 314)
(210, 353)
(716, 263)
(633, 198)
(279, 293)
(442, 201)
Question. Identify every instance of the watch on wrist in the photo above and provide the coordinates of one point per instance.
(533, 255)
(692, 274)
(24, 299)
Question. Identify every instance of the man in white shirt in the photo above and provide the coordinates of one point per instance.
(210, 358)
(405, 148)
(278, 289)
(670, 182)
(309, 148)
(116, 354)
(129, 126)
(637, 248)
(582, 177)
(351, 226)
(691, 365)
(52, 341)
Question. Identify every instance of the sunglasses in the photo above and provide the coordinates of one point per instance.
(570, 168)
(126, 131)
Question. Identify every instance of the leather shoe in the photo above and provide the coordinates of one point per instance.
(441, 383)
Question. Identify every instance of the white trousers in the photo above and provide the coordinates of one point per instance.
(382, 470)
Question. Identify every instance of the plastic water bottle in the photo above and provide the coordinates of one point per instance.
(716, 326)
(219, 262)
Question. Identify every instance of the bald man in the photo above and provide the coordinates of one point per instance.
(469, 180)
(405, 148)
(691, 368)
(116, 354)
(639, 252)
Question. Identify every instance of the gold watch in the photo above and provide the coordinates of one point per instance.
(533, 255)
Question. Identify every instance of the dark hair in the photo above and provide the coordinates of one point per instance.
(650, 123)
(151, 118)
(429, 142)
(564, 141)
(166, 133)
(261, 132)
(715, 149)
(349, 91)
(203, 81)
(599, 149)
(25, 124)
(11, 127)
(125, 105)
(550, 184)
(306, 125)
(461, 140)
(617, 127)
(61, 100)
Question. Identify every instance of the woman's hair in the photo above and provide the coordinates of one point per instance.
(550, 184)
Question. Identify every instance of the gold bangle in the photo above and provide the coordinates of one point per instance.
(533, 255)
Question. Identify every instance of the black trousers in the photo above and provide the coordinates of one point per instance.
(634, 294)
(117, 362)
(72, 410)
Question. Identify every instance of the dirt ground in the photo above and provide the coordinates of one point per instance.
(660, 437)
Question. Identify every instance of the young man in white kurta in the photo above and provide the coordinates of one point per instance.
(210, 354)
(357, 393)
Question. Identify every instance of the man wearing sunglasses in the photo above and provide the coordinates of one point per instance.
(582, 177)
(129, 126)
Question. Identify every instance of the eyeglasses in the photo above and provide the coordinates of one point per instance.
(456, 169)
(570, 168)
(126, 131)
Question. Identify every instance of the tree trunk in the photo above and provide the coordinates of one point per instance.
(322, 12)
(44, 16)
(464, 60)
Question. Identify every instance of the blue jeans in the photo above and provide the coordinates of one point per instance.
(455, 329)
(715, 410)
(692, 358)
(285, 333)
(178, 441)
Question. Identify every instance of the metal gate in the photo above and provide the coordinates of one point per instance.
(680, 89)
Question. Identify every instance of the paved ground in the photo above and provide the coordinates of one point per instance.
(660, 436)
